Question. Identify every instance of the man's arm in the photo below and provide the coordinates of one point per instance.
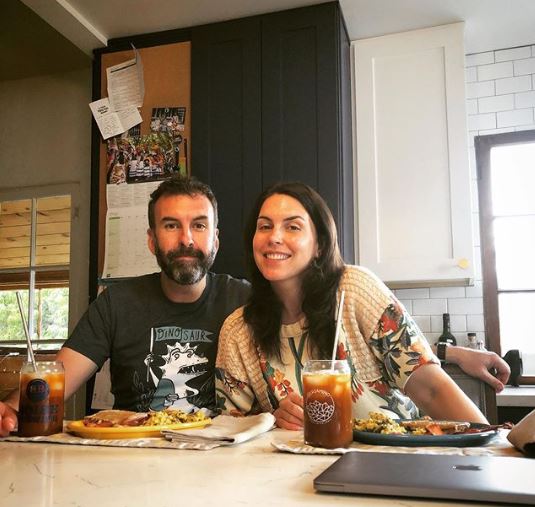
(433, 391)
(78, 369)
(479, 364)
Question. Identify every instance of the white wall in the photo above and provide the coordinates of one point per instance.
(45, 137)
(500, 90)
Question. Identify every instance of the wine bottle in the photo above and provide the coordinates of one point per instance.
(446, 336)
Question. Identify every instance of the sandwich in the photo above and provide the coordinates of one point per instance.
(114, 418)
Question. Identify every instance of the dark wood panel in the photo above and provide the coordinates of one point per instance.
(306, 108)
(226, 127)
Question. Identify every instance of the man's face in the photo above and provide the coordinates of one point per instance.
(184, 240)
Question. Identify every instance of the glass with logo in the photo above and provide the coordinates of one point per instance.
(327, 403)
(42, 392)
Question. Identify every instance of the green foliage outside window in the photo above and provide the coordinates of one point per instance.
(51, 315)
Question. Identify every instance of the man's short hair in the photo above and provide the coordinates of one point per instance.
(181, 185)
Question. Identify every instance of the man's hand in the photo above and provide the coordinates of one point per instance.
(480, 363)
(8, 419)
(289, 415)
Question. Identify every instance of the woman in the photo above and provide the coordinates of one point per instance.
(297, 276)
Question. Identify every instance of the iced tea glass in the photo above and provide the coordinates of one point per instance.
(327, 403)
(41, 398)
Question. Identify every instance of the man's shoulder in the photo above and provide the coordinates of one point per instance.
(227, 284)
(135, 286)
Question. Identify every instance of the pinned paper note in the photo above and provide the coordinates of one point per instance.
(126, 87)
(112, 123)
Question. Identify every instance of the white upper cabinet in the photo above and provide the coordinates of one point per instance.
(413, 181)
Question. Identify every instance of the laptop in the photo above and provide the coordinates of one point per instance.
(477, 478)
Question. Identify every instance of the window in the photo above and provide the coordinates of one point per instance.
(506, 166)
(34, 260)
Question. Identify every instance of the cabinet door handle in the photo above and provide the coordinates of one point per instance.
(463, 263)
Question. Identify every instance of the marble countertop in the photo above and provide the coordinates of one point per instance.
(254, 473)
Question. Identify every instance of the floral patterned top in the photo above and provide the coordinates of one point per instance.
(247, 382)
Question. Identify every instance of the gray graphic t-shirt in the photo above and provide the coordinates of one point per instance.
(162, 353)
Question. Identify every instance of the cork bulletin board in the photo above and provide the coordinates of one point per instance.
(167, 78)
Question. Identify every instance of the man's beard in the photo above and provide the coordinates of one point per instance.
(185, 272)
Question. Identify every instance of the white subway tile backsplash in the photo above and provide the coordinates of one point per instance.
(497, 103)
(470, 74)
(479, 59)
(412, 293)
(512, 54)
(436, 324)
(482, 121)
(457, 324)
(495, 71)
(471, 106)
(423, 322)
(522, 67)
(407, 303)
(474, 291)
(511, 85)
(525, 99)
(465, 306)
(432, 338)
(514, 118)
(485, 89)
(447, 292)
(429, 306)
(475, 323)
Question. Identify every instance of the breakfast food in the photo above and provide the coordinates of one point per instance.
(122, 418)
(381, 423)
(428, 425)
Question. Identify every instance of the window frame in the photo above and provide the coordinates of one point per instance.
(49, 277)
(483, 147)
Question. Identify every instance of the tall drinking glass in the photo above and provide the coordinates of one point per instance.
(327, 403)
(41, 398)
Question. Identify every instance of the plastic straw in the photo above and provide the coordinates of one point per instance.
(31, 356)
(338, 325)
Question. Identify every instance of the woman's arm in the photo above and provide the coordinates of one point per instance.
(434, 392)
(233, 391)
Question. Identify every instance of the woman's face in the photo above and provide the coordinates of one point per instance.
(285, 241)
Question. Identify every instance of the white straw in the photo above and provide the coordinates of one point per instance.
(31, 357)
(338, 325)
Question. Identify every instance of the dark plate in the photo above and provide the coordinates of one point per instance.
(459, 440)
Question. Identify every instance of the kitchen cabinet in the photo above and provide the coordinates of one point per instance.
(270, 102)
(414, 211)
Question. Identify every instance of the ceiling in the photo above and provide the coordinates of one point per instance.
(89, 24)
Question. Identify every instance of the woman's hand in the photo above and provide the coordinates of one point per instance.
(479, 363)
(289, 415)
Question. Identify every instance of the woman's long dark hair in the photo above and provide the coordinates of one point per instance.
(320, 282)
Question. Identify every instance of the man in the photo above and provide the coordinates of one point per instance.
(160, 331)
